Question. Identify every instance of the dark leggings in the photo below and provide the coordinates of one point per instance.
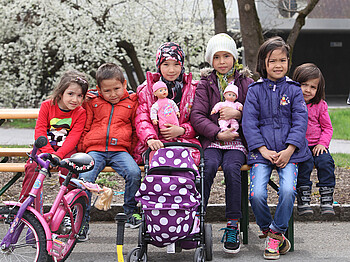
(231, 161)
(325, 170)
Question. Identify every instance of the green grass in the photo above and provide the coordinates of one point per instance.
(341, 123)
(341, 160)
(19, 123)
(107, 179)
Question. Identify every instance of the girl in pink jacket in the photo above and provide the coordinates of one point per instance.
(319, 133)
(181, 89)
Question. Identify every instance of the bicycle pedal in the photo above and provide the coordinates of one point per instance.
(57, 247)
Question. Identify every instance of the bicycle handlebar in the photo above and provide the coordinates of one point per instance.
(77, 163)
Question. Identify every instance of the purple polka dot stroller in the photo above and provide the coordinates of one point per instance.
(172, 205)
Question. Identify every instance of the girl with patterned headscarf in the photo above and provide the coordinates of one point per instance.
(181, 89)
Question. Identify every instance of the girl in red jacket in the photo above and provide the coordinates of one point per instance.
(61, 119)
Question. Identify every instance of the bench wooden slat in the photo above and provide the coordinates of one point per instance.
(4, 151)
(20, 113)
(19, 167)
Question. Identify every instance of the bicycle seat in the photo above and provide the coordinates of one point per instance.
(78, 162)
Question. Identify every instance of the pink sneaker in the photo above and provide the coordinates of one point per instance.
(271, 247)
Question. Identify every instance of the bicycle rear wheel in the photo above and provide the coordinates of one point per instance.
(31, 243)
(78, 208)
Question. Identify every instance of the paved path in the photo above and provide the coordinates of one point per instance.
(10, 136)
(314, 241)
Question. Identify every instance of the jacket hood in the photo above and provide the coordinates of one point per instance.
(245, 72)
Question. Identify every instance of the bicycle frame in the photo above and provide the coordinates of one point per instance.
(51, 220)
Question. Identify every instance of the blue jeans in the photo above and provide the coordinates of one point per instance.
(124, 165)
(259, 177)
(324, 164)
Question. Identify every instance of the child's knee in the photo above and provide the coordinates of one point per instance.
(257, 194)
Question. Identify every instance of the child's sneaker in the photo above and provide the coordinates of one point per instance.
(133, 221)
(231, 240)
(264, 233)
(84, 233)
(284, 246)
(271, 247)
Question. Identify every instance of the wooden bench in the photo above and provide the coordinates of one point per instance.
(18, 168)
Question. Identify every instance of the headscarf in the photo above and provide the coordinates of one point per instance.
(172, 51)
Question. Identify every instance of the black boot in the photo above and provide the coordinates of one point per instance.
(327, 200)
(303, 199)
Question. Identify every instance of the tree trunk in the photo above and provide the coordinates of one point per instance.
(219, 16)
(251, 32)
(129, 72)
(299, 23)
(130, 50)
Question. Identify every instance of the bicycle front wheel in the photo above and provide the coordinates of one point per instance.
(78, 208)
(31, 243)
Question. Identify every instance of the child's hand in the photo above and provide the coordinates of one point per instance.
(319, 150)
(227, 135)
(284, 156)
(172, 131)
(154, 144)
(227, 113)
(155, 122)
(270, 155)
(213, 112)
(59, 159)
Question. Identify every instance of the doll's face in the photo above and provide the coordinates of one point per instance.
(230, 96)
(161, 92)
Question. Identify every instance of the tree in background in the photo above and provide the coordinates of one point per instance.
(252, 33)
(41, 39)
(220, 21)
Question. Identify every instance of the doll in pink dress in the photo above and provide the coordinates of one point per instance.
(164, 110)
(230, 95)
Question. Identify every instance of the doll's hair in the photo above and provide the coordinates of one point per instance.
(109, 71)
(309, 71)
(69, 77)
(266, 49)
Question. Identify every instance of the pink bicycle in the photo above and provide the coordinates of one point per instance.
(26, 233)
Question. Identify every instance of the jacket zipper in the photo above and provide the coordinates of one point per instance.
(108, 127)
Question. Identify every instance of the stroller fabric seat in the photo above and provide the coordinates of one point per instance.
(170, 199)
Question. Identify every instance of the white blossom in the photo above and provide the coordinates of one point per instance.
(42, 39)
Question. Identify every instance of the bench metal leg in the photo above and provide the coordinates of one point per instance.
(10, 183)
(290, 233)
(244, 222)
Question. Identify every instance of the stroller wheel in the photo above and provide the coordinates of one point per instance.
(134, 254)
(208, 238)
(199, 255)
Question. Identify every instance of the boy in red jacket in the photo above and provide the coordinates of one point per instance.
(109, 135)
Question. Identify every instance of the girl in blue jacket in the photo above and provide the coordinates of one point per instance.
(274, 125)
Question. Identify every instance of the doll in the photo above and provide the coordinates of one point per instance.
(230, 95)
(164, 110)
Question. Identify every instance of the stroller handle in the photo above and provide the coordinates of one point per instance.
(169, 144)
